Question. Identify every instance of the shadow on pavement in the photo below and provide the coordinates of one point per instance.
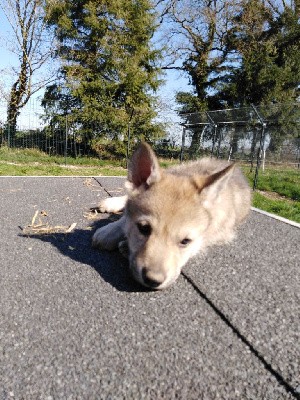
(76, 245)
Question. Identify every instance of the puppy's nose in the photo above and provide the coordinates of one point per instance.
(152, 279)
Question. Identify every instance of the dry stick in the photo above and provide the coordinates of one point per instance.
(46, 229)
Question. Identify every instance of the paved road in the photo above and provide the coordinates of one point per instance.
(73, 324)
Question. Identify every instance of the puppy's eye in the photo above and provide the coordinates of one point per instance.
(185, 242)
(144, 228)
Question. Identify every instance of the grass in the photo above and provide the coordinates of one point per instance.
(286, 209)
(285, 182)
(278, 189)
(57, 170)
(33, 162)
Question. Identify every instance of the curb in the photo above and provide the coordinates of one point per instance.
(285, 220)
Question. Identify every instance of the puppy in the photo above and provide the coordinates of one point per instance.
(170, 215)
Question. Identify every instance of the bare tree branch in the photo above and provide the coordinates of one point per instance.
(32, 44)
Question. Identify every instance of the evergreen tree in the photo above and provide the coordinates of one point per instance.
(267, 45)
(108, 65)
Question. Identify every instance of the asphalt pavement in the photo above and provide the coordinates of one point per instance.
(74, 325)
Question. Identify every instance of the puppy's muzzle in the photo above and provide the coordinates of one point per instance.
(152, 279)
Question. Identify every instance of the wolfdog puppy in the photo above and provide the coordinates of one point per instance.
(170, 215)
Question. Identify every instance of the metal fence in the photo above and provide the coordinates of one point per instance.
(254, 135)
(259, 136)
(53, 142)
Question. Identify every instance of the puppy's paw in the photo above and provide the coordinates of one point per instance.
(109, 236)
(104, 239)
(112, 204)
(123, 248)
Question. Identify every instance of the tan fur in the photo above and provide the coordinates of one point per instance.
(173, 214)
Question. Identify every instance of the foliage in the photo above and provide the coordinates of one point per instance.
(238, 53)
(188, 102)
(109, 68)
(265, 37)
(195, 40)
(108, 149)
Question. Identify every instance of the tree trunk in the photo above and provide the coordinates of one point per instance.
(18, 98)
(253, 145)
(195, 143)
(12, 115)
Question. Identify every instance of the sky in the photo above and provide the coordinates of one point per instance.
(29, 117)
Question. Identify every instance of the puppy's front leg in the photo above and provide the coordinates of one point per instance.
(109, 236)
(113, 204)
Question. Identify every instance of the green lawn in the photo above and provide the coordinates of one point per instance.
(278, 189)
(279, 207)
(33, 162)
(59, 170)
(285, 182)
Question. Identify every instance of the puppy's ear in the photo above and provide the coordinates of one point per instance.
(211, 185)
(144, 168)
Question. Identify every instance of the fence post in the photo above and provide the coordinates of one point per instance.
(261, 144)
(66, 140)
(219, 144)
(230, 152)
(128, 144)
(8, 135)
(212, 123)
(129, 137)
(298, 153)
(201, 136)
(214, 140)
(182, 142)
(253, 145)
(259, 155)
(264, 159)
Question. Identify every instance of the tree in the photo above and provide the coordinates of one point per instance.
(32, 45)
(108, 64)
(237, 53)
(195, 34)
(266, 37)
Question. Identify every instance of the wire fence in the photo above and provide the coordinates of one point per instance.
(254, 135)
(241, 133)
(56, 142)
(261, 137)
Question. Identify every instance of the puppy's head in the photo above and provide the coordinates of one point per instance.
(165, 222)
